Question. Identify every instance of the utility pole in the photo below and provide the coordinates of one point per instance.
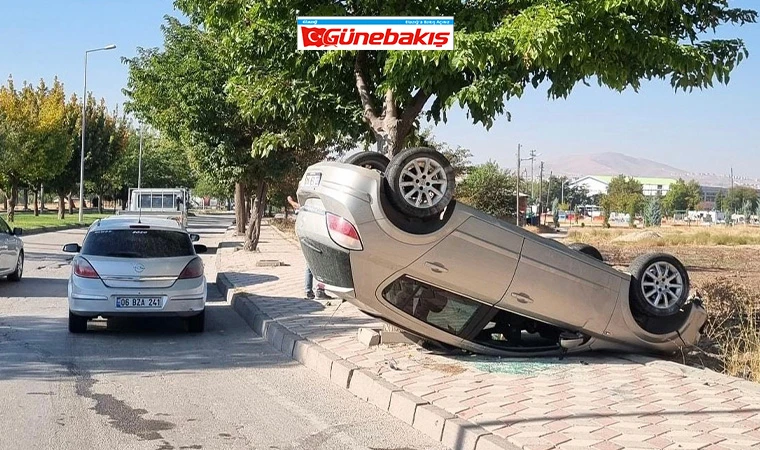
(540, 190)
(731, 191)
(517, 195)
(532, 183)
(548, 193)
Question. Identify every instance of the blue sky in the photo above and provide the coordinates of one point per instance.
(704, 131)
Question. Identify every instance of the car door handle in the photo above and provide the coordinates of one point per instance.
(436, 267)
(522, 298)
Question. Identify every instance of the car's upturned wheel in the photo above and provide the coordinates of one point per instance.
(77, 324)
(197, 323)
(421, 182)
(659, 284)
(587, 250)
(369, 160)
(16, 274)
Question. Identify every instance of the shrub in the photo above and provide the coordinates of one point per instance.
(732, 326)
(653, 213)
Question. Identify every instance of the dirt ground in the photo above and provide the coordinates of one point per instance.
(707, 254)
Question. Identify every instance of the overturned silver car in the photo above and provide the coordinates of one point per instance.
(389, 237)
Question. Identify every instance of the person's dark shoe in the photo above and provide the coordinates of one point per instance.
(310, 295)
(321, 295)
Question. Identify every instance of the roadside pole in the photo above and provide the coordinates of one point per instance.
(517, 195)
(540, 191)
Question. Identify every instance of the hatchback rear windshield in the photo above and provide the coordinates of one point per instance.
(138, 244)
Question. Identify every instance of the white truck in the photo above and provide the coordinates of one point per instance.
(170, 203)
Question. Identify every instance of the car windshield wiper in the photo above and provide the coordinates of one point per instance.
(124, 254)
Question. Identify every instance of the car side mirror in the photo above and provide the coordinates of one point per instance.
(195, 237)
(17, 231)
(200, 248)
(72, 248)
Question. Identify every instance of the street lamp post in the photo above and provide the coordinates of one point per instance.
(84, 121)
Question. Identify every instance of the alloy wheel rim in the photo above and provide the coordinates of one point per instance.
(662, 285)
(423, 182)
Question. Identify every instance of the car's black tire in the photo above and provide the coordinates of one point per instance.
(77, 324)
(19, 272)
(586, 249)
(196, 323)
(369, 160)
(661, 276)
(404, 185)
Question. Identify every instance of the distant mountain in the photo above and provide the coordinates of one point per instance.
(611, 163)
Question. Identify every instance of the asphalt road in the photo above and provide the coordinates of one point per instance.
(139, 384)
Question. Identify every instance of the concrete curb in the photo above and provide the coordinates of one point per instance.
(42, 230)
(454, 432)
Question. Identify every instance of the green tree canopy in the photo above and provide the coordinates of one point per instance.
(624, 195)
(35, 139)
(490, 189)
(502, 48)
(682, 196)
(736, 197)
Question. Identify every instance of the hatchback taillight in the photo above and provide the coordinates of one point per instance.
(83, 268)
(343, 232)
(193, 269)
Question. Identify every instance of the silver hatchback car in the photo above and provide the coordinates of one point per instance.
(127, 266)
(389, 236)
(11, 252)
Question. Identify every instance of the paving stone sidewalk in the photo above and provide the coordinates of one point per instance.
(474, 402)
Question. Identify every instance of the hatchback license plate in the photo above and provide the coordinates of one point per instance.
(138, 302)
(312, 179)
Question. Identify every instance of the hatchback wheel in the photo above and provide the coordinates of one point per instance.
(196, 323)
(369, 160)
(586, 249)
(421, 182)
(77, 324)
(659, 284)
(16, 275)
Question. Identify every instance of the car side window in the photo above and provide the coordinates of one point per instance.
(4, 228)
(439, 308)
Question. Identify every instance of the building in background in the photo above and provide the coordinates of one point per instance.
(597, 184)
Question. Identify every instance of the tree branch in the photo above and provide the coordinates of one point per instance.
(391, 111)
(413, 108)
(368, 106)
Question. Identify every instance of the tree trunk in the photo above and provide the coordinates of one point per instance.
(12, 200)
(5, 201)
(239, 209)
(247, 209)
(253, 233)
(390, 126)
(100, 202)
(61, 205)
(26, 199)
(36, 205)
(71, 204)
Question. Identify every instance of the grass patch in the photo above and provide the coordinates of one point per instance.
(28, 221)
(287, 226)
(732, 331)
(671, 237)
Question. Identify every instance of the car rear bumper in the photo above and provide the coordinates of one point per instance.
(91, 298)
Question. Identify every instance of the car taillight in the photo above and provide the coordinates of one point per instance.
(193, 269)
(83, 268)
(343, 232)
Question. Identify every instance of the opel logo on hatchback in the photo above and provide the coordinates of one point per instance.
(138, 268)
